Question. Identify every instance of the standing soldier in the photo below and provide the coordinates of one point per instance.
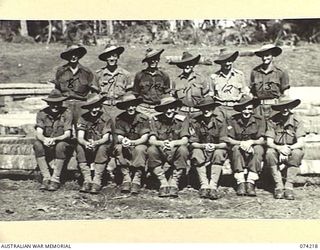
(132, 129)
(246, 133)
(209, 151)
(168, 144)
(190, 87)
(74, 80)
(228, 84)
(267, 81)
(53, 131)
(285, 139)
(95, 128)
(113, 81)
(151, 83)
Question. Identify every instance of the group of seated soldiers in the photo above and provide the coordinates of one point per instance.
(167, 128)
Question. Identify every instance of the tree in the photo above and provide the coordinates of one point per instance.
(23, 28)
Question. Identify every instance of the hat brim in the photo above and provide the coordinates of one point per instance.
(104, 55)
(94, 104)
(164, 107)
(58, 99)
(239, 107)
(275, 51)
(125, 104)
(291, 104)
(191, 61)
(80, 52)
(153, 55)
(208, 105)
(226, 58)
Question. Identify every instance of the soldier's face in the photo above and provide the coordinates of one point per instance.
(55, 106)
(153, 63)
(267, 58)
(247, 111)
(74, 59)
(188, 69)
(286, 112)
(112, 60)
(95, 111)
(207, 113)
(226, 65)
(131, 110)
(170, 112)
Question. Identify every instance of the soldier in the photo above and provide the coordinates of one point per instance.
(53, 132)
(246, 133)
(190, 87)
(74, 80)
(113, 81)
(132, 129)
(151, 83)
(228, 84)
(95, 129)
(168, 144)
(209, 151)
(268, 82)
(285, 140)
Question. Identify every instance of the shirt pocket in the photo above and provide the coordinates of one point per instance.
(81, 88)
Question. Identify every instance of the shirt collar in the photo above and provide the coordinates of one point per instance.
(106, 71)
(288, 122)
(49, 113)
(192, 76)
(156, 72)
(90, 118)
(231, 73)
(250, 121)
(271, 69)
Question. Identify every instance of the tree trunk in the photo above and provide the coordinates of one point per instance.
(110, 27)
(49, 32)
(23, 28)
(64, 26)
(173, 25)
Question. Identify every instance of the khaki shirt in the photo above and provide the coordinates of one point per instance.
(190, 90)
(54, 126)
(285, 132)
(132, 128)
(95, 127)
(113, 84)
(208, 130)
(253, 130)
(76, 85)
(169, 129)
(268, 85)
(228, 87)
(151, 87)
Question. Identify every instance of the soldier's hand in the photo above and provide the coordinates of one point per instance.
(283, 158)
(126, 142)
(89, 145)
(46, 142)
(209, 147)
(171, 145)
(166, 145)
(246, 145)
(285, 150)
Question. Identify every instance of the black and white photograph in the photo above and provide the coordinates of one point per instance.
(159, 119)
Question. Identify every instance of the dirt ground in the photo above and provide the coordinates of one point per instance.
(21, 199)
